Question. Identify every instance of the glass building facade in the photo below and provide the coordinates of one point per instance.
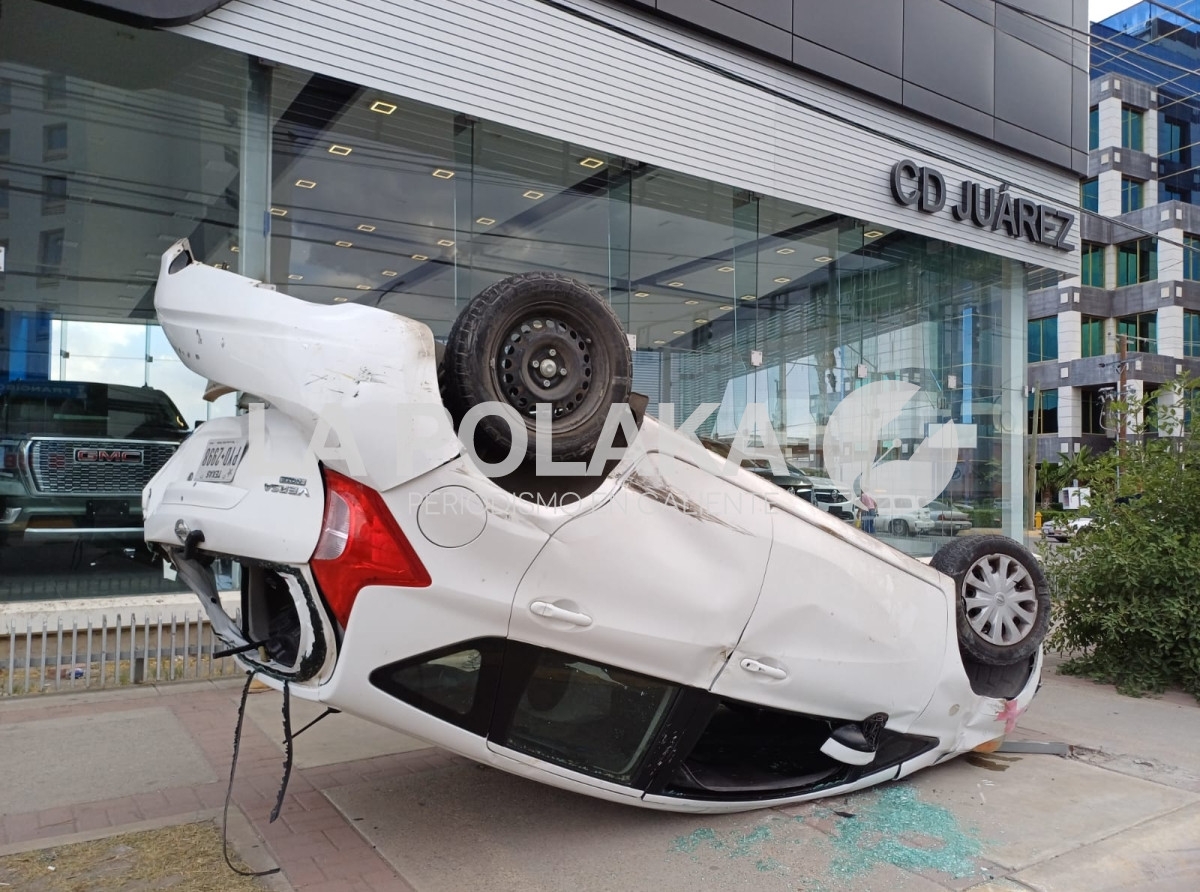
(335, 192)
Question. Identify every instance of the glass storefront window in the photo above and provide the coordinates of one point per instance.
(796, 321)
(106, 163)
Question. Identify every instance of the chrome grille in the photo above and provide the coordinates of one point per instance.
(55, 470)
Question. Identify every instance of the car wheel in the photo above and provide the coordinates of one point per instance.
(533, 338)
(898, 527)
(1003, 601)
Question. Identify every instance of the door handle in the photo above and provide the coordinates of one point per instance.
(763, 669)
(550, 611)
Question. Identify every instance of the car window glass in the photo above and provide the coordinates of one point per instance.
(85, 409)
(456, 684)
(584, 716)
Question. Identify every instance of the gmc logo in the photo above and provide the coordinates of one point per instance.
(110, 456)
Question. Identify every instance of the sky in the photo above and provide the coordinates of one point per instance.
(1102, 9)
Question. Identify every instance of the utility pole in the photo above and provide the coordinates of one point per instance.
(1122, 365)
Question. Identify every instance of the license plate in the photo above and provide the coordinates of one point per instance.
(221, 459)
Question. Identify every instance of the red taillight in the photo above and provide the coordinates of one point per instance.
(360, 545)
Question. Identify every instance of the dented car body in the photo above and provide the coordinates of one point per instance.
(672, 631)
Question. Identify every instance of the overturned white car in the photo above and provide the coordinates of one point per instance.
(668, 630)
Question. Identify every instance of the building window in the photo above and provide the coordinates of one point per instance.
(5, 144)
(1191, 333)
(1043, 339)
(1092, 264)
(54, 141)
(1092, 340)
(50, 252)
(1094, 128)
(5, 95)
(1089, 195)
(1048, 422)
(1191, 257)
(1131, 195)
(1173, 193)
(1137, 262)
(54, 194)
(54, 89)
(1091, 411)
(3, 199)
(1131, 128)
(1170, 140)
(1140, 331)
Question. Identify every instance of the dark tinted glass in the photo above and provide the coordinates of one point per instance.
(84, 409)
(587, 717)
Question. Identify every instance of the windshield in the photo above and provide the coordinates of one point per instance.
(87, 409)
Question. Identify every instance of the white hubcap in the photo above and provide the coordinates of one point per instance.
(1000, 600)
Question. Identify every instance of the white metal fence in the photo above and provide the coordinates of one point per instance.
(131, 650)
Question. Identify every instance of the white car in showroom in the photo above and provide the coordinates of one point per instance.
(670, 631)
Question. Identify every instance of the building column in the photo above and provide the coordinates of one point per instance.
(1170, 331)
(1110, 122)
(1170, 253)
(1109, 186)
(1070, 335)
(1070, 416)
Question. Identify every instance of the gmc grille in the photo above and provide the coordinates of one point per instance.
(56, 470)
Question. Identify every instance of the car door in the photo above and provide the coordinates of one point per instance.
(842, 628)
(660, 579)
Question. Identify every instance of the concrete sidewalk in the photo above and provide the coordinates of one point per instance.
(371, 809)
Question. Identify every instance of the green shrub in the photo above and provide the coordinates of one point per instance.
(1127, 588)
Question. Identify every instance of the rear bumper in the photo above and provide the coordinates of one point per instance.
(281, 630)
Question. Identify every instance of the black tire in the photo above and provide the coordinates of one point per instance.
(524, 319)
(969, 561)
(898, 527)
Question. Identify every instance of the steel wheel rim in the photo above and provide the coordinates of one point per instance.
(541, 341)
(1000, 600)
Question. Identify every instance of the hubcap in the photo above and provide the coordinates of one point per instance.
(1000, 600)
(545, 360)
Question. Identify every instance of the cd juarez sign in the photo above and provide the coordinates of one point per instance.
(985, 207)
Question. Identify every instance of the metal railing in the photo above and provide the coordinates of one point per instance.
(130, 651)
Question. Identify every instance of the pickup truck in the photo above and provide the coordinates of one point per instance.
(74, 456)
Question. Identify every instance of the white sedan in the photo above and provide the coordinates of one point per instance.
(669, 630)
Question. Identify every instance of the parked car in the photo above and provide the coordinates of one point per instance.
(668, 631)
(902, 515)
(1062, 530)
(75, 455)
(828, 497)
(948, 519)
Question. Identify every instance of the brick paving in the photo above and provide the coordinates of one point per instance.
(317, 849)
